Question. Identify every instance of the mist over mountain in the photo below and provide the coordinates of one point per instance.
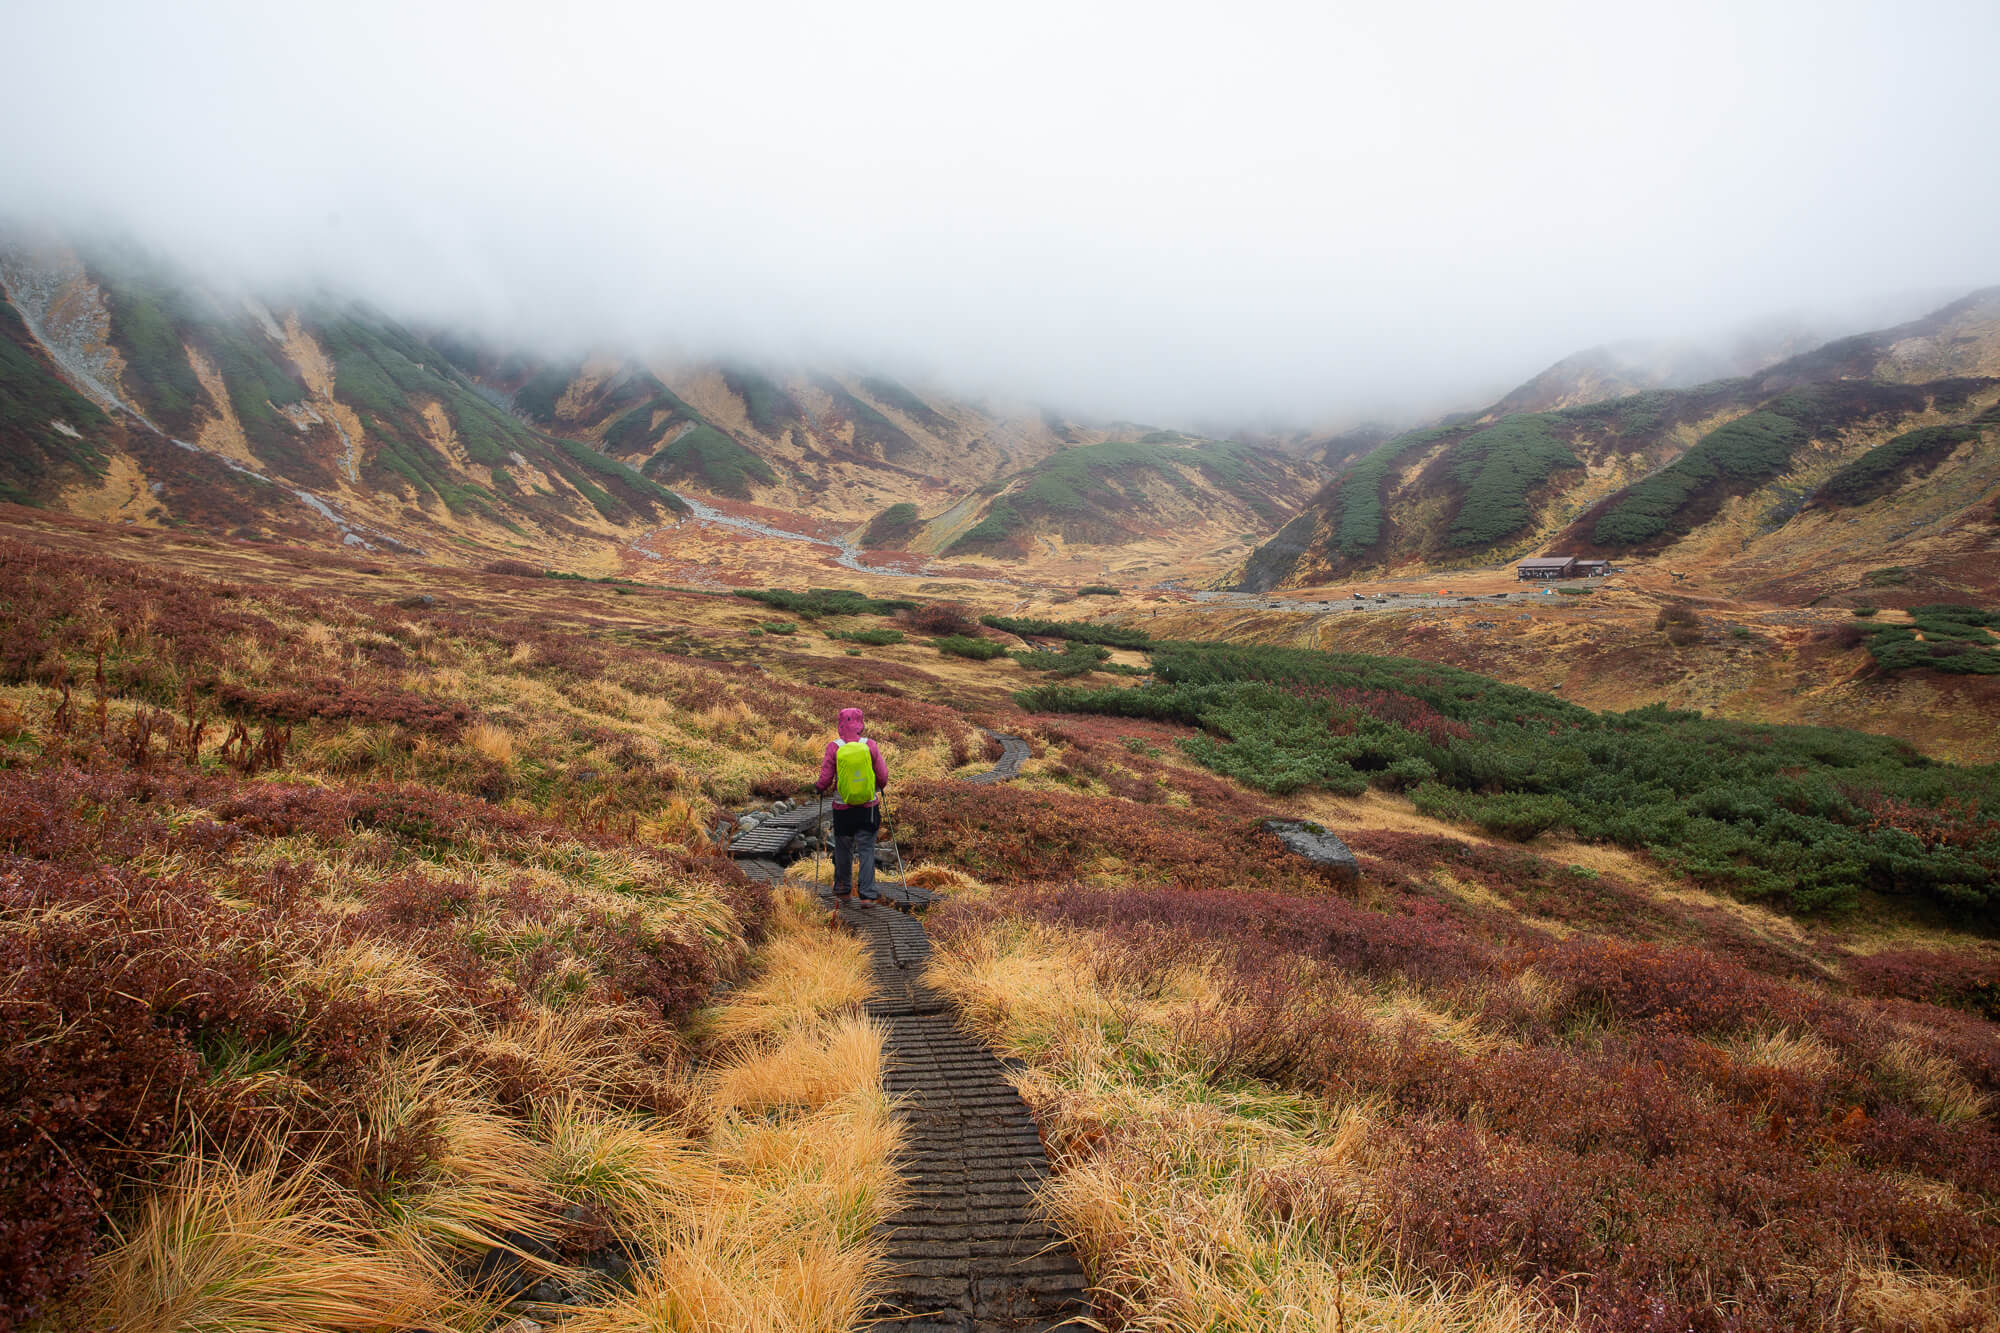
(1797, 479)
(1307, 215)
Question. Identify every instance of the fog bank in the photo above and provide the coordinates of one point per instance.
(1159, 211)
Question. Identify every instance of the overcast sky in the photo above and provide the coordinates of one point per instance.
(1165, 211)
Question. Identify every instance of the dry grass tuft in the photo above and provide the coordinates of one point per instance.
(491, 741)
(718, 1278)
(808, 974)
(680, 822)
(809, 1068)
(935, 877)
(1197, 1201)
(483, 1182)
(628, 1169)
(772, 1230)
(1932, 1081)
(222, 1248)
(585, 1051)
(1894, 1298)
(1799, 1053)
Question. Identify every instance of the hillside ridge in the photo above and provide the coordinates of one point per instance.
(1713, 472)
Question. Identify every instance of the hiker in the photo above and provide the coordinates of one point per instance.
(853, 770)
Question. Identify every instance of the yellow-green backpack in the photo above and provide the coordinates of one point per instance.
(854, 773)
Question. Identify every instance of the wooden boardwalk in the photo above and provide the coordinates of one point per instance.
(972, 1251)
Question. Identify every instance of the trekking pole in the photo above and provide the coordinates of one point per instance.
(819, 838)
(902, 876)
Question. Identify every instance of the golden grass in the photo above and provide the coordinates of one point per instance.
(1801, 1053)
(717, 1278)
(627, 1168)
(775, 1231)
(483, 1182)
(1894, 1298)
(1198, 1202)
(1409, 1008)
(808, 973)
(1931, 1080)
(491, 741)
(786, 1242)
(808, 1069)
(368, 968)
(681, 822)
(222, 1249)
(582, 1050)
(928, 875)
(764, 1220)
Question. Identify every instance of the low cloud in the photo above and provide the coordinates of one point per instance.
(1165, 212)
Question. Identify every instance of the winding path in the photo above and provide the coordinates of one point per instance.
(973, 1251)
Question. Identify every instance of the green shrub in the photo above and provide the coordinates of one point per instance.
(871, 428)
(1356, 494)
(892, 527)
(40, 459)
(875, 638)
(1735, 457)
(1499, 468)
(1115, 636)
(1090, 485)
(816, 602)
(1409, 771)
(1098, 590)
(960, 645)
(780, 627)
(1884, 468)
(1958, 640)
(769, 407)
(1813, 814)
(1516, 815)
(911, 406)
(1002, 521)
(708, 457)
(1865, 611)
(536, 400)
(1076, 659)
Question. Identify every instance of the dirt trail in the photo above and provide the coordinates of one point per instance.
(973, 1251)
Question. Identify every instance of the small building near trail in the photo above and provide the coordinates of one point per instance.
(1547, 567)
(1592, 569)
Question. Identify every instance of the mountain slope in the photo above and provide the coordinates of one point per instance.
(1618, 370)
(1641, 473)
(132, 391)
(328, 423)
(1119, 492)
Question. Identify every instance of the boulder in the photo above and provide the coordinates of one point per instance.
(1315, 844)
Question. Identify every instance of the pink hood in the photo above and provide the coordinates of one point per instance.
(851, 724)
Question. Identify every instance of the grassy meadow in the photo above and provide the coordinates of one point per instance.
(364, 961)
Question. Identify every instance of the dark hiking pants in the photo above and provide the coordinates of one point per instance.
(854, 834)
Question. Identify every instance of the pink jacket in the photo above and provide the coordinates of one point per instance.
(851, 725)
